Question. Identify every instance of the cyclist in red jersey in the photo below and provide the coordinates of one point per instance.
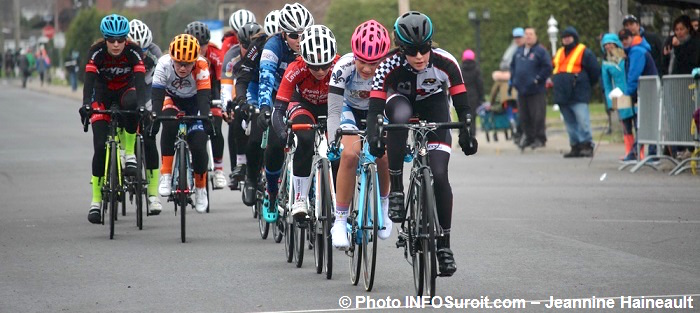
(309, 76)
(114, 73)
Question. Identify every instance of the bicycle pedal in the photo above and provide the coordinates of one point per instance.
(401, 243)
(441, 274)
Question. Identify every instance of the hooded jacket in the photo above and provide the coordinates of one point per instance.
(472, 80)
(570, 88)
(639, 62)
(613, 75)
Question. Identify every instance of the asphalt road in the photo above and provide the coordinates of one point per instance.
(526, 226)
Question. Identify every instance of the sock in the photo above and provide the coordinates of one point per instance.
(152, 176)
(272, 184)
(129, 142)
(341, 213)
(396, 180)
(241, 159)
(444, 242)
(301, 187)
(96, 189)
(200, 180)
(384, 200)
(218, 164)
(167, 164)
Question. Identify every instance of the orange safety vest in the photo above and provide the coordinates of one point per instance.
(570, 63)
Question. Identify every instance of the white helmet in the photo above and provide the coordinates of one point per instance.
(240, 18)
(272, 24)
(295, 18)
(317, 45)
(140, 34)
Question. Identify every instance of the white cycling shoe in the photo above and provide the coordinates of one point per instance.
(154, 205)
(200, 200)
(164, 188)
(219, 180)
(339, 235)
(300, 209)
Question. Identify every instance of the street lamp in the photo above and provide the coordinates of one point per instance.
(474, 18)
(666, 28)
(553, 33)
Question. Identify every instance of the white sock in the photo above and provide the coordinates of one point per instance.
(301, 187)
(241, 159)
(385, 206)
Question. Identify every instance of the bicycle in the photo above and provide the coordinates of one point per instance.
(364, 219)
(420, 229)
(183, 175)
(137, 186)
(113, 190)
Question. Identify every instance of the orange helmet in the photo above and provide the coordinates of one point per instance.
(184, 48)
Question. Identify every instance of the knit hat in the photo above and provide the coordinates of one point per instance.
(570, 31)
(468, 55)
(518, 32)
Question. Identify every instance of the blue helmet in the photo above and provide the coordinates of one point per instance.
(114, 25)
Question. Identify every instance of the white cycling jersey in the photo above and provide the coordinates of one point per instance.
(185, 87)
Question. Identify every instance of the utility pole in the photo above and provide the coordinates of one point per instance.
(617, 9)
(17, 24)
(404, 6)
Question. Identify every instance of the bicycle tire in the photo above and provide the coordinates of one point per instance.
(289, 241)
(139, 180)
(263, 226)
(370, 227)
(355, 248)
(278, 231)
(317, 229)
(300, 241)
(208, 190)
(327, 209)
(428, 224)
(413, 222)
(183, 188)
(113, 185)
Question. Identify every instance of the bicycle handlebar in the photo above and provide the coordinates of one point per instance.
(182, 118)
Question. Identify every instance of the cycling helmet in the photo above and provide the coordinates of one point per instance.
(413, 29)
(247, 31)
(295, 18)
(370, 41)
(240, 18)
(114, 25)
(200, 31)
(317, 45)
(140, 33)
(184, 48)
(272, 21)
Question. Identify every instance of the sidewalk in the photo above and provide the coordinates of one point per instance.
(57, 90)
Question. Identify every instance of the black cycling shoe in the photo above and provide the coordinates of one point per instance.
(446, 262)
(397, 213)
(94, 215)
(130, 168)
(237, 175)
(248, 193)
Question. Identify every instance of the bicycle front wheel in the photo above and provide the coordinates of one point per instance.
(413, 224)
(370, 227)
(428, 233)
(140, 181)
(300, 241)
(182, 187)
(289, 230)
(327, 219)
(355, 247)
(113, 188)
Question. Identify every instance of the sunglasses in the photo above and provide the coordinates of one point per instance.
(413, 50)
(184, 64)
(115, 39)
(317, 68)
(294, 36)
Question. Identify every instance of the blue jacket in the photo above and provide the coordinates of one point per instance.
(613, 76)
(275, 57)
(639, 63)
(572, 88)
(530, 72)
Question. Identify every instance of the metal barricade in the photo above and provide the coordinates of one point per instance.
(688, 89)
(648, 117)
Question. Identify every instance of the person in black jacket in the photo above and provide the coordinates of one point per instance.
(471, 73)
(685, 46)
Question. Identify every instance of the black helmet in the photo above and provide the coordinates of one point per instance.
(200, 31)
(413, 29)
(247, 31)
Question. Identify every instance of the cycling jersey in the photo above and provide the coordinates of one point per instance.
(186, 87)
(248, 76)
(229, 40)
(150, 59)
(298, 78)
(231, 65)
(115, 72)
(346, 82)
(275, 58)
(213, 55)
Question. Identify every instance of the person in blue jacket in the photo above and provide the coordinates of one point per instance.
(613, 76)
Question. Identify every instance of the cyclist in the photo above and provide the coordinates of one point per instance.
(308, 76)
(236, 21)
(150, 52)
(181, 83)
(213, 55)
(114, 73)
(347, 104)
(272, 25)
(415, 75)
(236, 134)
(278, 52)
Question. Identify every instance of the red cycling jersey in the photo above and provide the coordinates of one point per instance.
(115, 72)
(298, 77)
(215, 59)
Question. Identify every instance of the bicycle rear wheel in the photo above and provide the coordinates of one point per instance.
(140, 181)
(428, 231)
(263, 226)
(289, 230)
(182, 187)
(355, 248)
(370, 226)
(300, 241)
(113, 188)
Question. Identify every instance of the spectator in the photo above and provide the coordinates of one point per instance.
(685, 47)
(27, 64)
(613, 76)
(518, 40)
(42, 63)
(576, 70)
(696, 23)
(503, 100)
(631, 23)
(9, 63)
(471, 73)
(639, 63)
(529, 70)
(71, 65)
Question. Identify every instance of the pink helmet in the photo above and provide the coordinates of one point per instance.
(468, 55)
(370, 41)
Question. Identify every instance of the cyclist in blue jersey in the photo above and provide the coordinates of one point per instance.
(410, 83)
